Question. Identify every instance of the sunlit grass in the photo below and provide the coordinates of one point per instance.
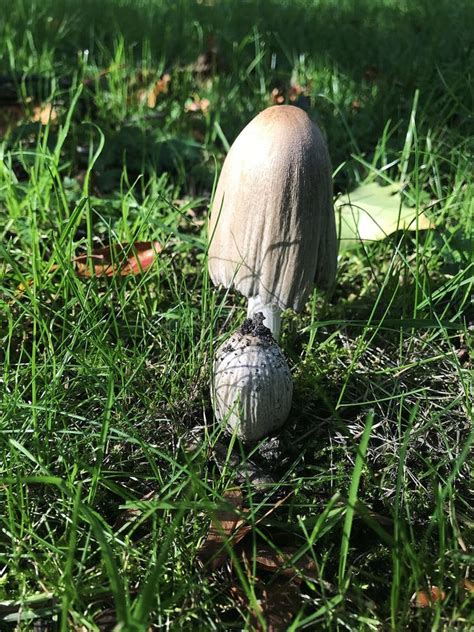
(111, 465)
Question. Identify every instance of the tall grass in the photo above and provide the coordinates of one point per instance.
(111, 465)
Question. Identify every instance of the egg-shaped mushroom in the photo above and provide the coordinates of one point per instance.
(252, 384)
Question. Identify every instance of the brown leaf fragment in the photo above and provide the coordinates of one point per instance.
(197, 105)
(230, 526)
(10, 115)
(160, 87)
(280, 562)
(280, 601)
(425, 599)
(227, 522)
(44, 114)
(119, 259)
(468, 586)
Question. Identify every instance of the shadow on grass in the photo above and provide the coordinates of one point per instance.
(364, 59)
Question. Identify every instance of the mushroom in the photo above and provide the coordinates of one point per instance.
(252, 385)
(272, 227)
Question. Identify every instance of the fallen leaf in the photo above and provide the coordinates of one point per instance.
(424, 599)
(278, 603)
(280, 562)
(227, 521)
(468, 586)
(372, 212)
(197, 105)
(160, 87)
(10, 115)
(44, 114)
(118, 259)
(231, 527)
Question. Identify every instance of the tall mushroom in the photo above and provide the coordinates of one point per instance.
(272, 227)
(272, 235)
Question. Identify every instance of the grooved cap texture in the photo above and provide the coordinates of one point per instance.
(272, 227)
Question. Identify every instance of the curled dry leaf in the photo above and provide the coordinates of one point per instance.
(227, 523)
(425, 599)
(468, 586)
(278, 603)
(229, 526)
(281, 562)
(197, 105)
(118, 259)
(160, 87)
(44, 114)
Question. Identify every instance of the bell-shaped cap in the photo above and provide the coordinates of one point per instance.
(272, 227)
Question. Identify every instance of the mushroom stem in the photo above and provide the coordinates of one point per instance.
(270, 311)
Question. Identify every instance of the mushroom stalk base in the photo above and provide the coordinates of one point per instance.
(271, 312)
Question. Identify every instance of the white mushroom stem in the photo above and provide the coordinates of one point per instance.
(270, 311)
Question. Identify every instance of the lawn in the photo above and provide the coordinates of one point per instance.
(122, 504)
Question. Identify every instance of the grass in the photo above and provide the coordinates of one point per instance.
(108, 475)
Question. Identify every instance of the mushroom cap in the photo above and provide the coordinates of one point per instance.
(272, 228)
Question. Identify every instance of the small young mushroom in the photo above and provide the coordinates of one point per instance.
(252, 385)
(272, 228)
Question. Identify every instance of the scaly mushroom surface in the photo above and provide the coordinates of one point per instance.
(272, 227)
(252, 385)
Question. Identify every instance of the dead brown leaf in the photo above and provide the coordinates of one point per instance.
(230, 526)
(468, 586)
(197, 105)
(280, 562)
(44, 114)
(160, 87)
(119, 259)
(10, 115)
(425, 599)
(226, 523)
(278, 603)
